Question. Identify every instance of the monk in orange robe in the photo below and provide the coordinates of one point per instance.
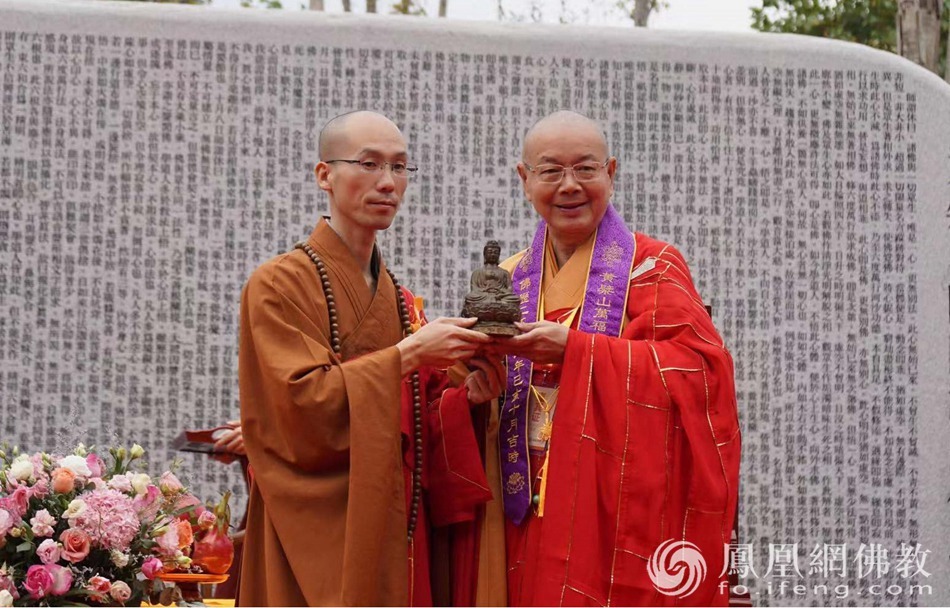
(619, 427)
(327, 401)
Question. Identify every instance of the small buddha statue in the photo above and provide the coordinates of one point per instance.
(491, 298)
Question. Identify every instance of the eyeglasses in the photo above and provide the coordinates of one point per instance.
(553, 174)
(371, 166)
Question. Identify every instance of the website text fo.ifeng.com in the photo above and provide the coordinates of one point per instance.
(788, 588)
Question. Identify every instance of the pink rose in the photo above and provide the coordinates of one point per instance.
(169, 484)
(151, 567)
(76, 544)
(49, 551)
(99, 587)
(120, 592)
(62, 579)
(95, 464)
(42, 523)
(39, 582)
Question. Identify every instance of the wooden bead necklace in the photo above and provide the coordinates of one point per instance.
(416, 394)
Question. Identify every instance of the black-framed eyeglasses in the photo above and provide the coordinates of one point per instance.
(553, 174)
(371, 166)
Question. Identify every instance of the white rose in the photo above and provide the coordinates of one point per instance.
(76, 464)
(21, 468)
(76, 507)
(121, 560)
(140, 483)
(5, 598)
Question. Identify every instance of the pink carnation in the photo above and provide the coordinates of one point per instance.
(42, 523)
(109, 519)
(39, 467)
(49, 551)
(40, 489)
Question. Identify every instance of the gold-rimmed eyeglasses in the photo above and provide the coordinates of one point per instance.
(553, 174)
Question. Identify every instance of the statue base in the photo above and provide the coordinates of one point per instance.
(495, 328)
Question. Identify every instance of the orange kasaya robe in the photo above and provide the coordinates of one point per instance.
(329, 441)
(645, 443)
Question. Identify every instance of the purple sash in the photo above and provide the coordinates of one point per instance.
(602, 312)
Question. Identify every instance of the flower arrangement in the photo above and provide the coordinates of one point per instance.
(75, 530)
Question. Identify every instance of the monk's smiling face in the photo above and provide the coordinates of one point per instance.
(574, 204)
(361, 199)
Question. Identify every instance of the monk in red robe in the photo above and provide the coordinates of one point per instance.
(356, 443)
(619, 436)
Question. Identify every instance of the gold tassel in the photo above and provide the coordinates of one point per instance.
(544, 483)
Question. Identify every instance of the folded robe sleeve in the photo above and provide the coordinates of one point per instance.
(457, 481)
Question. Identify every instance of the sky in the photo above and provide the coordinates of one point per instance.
(710, 15)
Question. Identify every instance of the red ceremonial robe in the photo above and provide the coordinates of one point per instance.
(329, 440)
(645, 445)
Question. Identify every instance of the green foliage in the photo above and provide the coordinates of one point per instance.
(261, 4)
(870, 22)
(628, 6)
(408, 7)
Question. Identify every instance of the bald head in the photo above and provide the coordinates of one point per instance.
(338, 133)
(558, 124)
(568, 177)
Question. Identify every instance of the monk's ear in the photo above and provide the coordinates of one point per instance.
(611, 172)
(322, 171)
(523, 174)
